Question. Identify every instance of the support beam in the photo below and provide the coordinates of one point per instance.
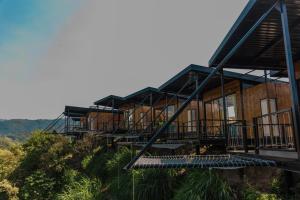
(202, 85)
(151, 113)
(113, 114)
(244, 124)
(198, 112)
(224, 109)
(291, 73)
(198, 118)
(133, 118)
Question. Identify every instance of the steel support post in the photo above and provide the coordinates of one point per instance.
(224, 108)
(291, 74)
(198, 117)
(244, 124)
(151, 113)
(113, 114)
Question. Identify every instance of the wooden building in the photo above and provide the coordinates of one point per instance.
(80, 120)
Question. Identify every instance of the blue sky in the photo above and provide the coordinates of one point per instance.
(27, 27)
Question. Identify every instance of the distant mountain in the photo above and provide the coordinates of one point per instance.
(20, 129)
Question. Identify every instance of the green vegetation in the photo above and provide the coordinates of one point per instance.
(206, 185)
(49, 166)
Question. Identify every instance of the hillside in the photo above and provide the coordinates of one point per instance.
(20, 129)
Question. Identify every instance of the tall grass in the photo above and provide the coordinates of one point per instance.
(84, 189)
(204, 185)
(155, 184)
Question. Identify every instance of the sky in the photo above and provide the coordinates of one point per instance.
(73, 52)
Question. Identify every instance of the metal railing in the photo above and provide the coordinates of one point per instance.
(275, 130)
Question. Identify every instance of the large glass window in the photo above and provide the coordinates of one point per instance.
(214, 108)
(270, 121)
(231, 107)
(191, 120)
(170, 111)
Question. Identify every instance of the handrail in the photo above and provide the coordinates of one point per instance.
(275, 113)
(52, 123)
(166, 106)
(124, 122)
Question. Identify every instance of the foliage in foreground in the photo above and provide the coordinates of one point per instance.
(84, 189)
(251, 193)
(206, 185)
(120, 182)
(158, 184)
(8, 190)
(38, 186)
(53, 167)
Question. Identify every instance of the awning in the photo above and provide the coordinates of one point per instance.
(264, 49)
(207, 161)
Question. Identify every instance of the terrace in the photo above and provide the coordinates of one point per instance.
(265, 38)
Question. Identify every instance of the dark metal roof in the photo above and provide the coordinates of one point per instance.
(143, 95)
(108, 101)
(264, 49)
(177, 82)
(208, 161)
(73, 111)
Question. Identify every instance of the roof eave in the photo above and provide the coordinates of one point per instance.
(236, 24)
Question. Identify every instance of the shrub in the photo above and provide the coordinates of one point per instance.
(10, 155)
(251, 193)
(95, 165)
(8, 191)
(120, 185)
(206, 185)
(46, 152)
(38, 186)
(119, 160)
(84, 189)
(155, 184)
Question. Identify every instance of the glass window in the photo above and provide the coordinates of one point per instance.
(191, 120)
(214, 108)
(231, 107)
(270, 122)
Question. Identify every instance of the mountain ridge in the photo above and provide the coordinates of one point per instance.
(21, 129)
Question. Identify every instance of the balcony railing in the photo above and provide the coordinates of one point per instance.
(275, 130)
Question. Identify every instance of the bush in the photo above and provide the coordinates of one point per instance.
(10, 155)
(155, 184)
(95, 165)
(251, 193)
(8, 191)
(120, 187)
(119, 160)
(84, 189)
(206, 185)
(38, 186)
(45, 152)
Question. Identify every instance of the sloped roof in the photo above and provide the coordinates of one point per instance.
(265, 48)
